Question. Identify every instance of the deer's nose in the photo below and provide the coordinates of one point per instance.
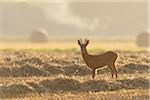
(82, 49)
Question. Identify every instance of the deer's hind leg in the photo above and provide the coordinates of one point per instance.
(114, 69)
(111, 70)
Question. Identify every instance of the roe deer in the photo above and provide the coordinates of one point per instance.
(97, 61)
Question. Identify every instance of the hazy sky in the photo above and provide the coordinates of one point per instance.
(61, 13)
(108, 17)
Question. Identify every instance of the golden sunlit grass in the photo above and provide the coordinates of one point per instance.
(72, 45)
(63, 75)
(119, 95)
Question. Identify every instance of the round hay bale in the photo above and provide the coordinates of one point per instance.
(39, 36)
(142, 40)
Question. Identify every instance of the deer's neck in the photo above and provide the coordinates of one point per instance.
(85, 55)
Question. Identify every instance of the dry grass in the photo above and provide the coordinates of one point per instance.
(125, 45)
(63, 75)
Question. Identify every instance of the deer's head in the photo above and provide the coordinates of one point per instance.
(83, 45)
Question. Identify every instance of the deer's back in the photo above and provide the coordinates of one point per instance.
(95, 61)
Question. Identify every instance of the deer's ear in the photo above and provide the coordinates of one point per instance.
(87, 42)
(79, 42)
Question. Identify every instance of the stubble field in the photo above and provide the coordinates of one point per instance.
(64, 75)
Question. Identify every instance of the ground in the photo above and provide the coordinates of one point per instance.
(61, 75)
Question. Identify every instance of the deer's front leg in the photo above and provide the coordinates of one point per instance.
(93, 73)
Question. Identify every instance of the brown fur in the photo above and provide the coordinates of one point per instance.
(97, 61)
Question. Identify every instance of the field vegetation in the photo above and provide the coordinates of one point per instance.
(48, 72)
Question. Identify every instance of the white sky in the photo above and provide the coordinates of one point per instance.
(60, 12)
(149, 15)
(73, 0)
